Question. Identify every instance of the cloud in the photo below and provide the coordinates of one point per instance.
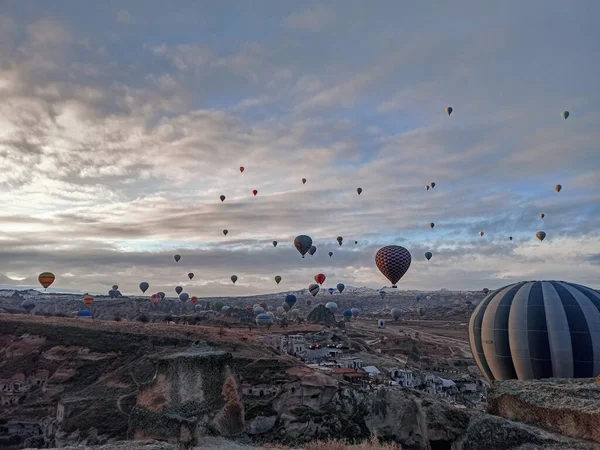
(124, 16)
(315, 19)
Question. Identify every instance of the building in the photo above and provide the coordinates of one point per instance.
(259, 390)
(349, 375)
(351, 362)
(71, 407)
(404, 377)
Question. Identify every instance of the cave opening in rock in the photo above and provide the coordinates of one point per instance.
(440, 445)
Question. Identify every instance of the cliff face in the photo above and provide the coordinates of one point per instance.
(569, 407)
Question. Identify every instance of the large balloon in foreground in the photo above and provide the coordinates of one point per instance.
(277, 279)
(320, 278)
(359, 190)
(144, 286)
(565, 115)
(178, 289)
(340, 287)
(558, 188)
(537, 329)
(540, 235)
(177, 258)
(314, 289)
(234, 278)
(190, 275)
(428, 255)
(302, 244)
(393, 261)
(46, 279)
(396, 313)
(449, 110)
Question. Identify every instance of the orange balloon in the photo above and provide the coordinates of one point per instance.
(46, 279)
(88, 300)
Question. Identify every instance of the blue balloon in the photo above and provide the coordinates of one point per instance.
(290, 299)
(144, 286)
(331, 291)
(340, 287)
(184, 296)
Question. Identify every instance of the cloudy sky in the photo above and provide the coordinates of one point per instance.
(122, 122)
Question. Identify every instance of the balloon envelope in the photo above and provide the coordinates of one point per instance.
(565, 114)
(178, 289)
(144, 286)
(277, 279)
(28, 305)
(222, 197)
(320, 278)
(274, 243)
(312, 250)
(184, 296)
(331, 305)
(234, 278)
(264, 320)
(540, 235)
(340, 287)
(190, 275)
(219, 305)
(331, 290)
(449, 110)
(558, 188)
(396, 313)
(46, 279)
(290, 299)
(303, 244)
(314, 289)
(428, 255)
(177, 258)
(393, 261)
(359, 190)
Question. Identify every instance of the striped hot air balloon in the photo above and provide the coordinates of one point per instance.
(537, 329)
(46, 279)
(314, 289)
(264, 320)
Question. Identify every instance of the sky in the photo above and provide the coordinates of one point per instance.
(122, 122)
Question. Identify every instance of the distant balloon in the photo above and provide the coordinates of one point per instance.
(418, 297)
(115, 287)
(565, 115)
(28, 305)
(431, 225)
(144, 286)
(46, 279)
(155, 299)
(190, 275)
(219, 305)
(347, 314)
(259, 310)
(381, 323)
(449, 110)
(355, 242)
(542, 215)
(382, 293)
(486, 291)
(194, 300)
(340, 287)
(277, 279)
(308, 301)
(85, 314)
(225, 308)
(314, 289)
(421, 311)
(396, 313)
(112, 293)
(432, 184)
(303, 180)
(428, 255)
(330, 254)
(320, 278)
(312, 250)
(264, 320)
(263, 304)
(355, 312)
(242, 169)
(177, 258)
(184, 297)
(331, 290)
(222, 197)
(510, 238)
(558, 188)
(393, 261)
(540, 235)
(331, 305)
(234, 278)
(303, 244)
(178, 289)
(274, 243)
(427, 187)
(162, 295)
(481, 233)
(359, 190)
(225, 232)
(255, 192)
(339, 239)
(88, 300)
(280, 310)
(290, 300)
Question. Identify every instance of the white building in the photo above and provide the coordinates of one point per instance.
(404, 377)
(351, 363)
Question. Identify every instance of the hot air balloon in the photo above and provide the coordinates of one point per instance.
(88, 300)
(418, 297)
(264, 320)
(355, 312)
(431, 225)
(263, 304)
(565, 115)
(330, 254)
(542, 215)
(382, 294)
(558, 188)
(225, 308)
(427, 187)
(320, 278)
(303, 244)
(112, 293)
(486, 291)
(331, 305)
(225, 232)
(194, 300)
(330, 290)
(144, 286)
(396, 313)
(255, 192)
(115, 287)
(312, 250)
(222, 197)
(340, 287)
(347, 314)
(290, 300)
(277, 279)
(162, 295)
(46, 279)
(359, 190)
(178, 289)
(339, 239)
(84, 314)
(190, 275)
(314, 289)
(381, 323)
(393, 261)
(280, 310)
(432, 184)
(428, 255)
(355, 242)
(28, 305)
(259, 310)
(537, 329)
(308, 302)
(242, 169)
(449, 110)
(286, 306)
(184, 297)
(234, 278)
(481, 233)
(540, 235)
(303, 180)
(177, 258)
(274, 243)
(249, 308)
(510, 238)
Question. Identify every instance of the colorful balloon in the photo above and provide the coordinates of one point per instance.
(393, 261)
(46, 279)
(194, 300)
(542, 215)
(347, 314)
(290, 300)
(320, 278)
(427, 187)
(314, 289)
(481, 233)
(264, 320)
(540, 235)
(302, 244)
(88, 300)
(565, 115)
(558, 188)
(449, 110)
